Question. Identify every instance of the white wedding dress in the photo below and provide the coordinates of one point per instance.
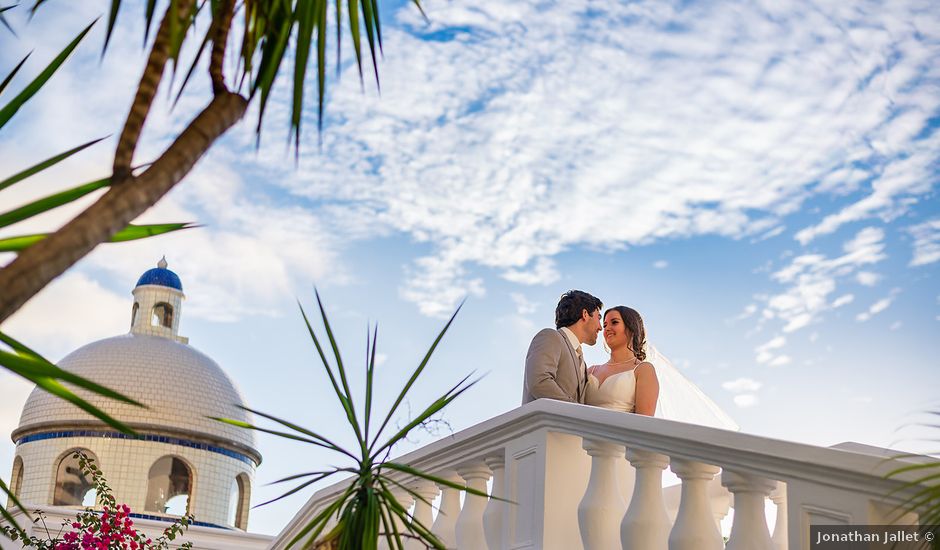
(679, 399)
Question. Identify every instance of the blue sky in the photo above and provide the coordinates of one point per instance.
(758, 180)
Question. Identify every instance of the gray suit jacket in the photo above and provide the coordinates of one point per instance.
(552, 369)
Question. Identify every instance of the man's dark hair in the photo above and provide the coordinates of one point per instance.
(570, 306)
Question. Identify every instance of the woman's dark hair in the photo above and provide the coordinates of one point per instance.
(634, 323)
(570, 306)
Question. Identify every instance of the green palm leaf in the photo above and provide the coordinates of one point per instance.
(367, 509)
(52, 201)
(7, 112)
(51, 161)
(414, 377)
(9, 77)
(129, 233)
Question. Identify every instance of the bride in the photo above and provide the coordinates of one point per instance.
(627, 382)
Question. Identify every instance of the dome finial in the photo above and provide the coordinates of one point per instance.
(162, 263)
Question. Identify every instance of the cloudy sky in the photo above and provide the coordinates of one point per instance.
(758, 179)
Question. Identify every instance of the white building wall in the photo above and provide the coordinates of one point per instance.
(126, 465)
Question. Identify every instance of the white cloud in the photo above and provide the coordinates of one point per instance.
(926, 242)
(812, 278)
(72, 311)
(765, 351)
(523, 305)
(742, 385)
(487, 146)
(780, 360)
(867, 278)
(877, 307)
(660, 264)
(543, 272)
(745, 400)
(843, 300)
(896, 325)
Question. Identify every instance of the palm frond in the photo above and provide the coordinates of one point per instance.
(10, 109)
(49, 162)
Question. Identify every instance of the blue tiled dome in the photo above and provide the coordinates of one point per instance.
(161, 276)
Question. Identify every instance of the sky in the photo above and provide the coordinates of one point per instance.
(758, 179)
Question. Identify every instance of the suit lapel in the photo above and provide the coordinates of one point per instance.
(578, 371)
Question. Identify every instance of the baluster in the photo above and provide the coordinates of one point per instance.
(470, 532)
(695, 522)
(602, 507)
(493, 516)
(445, 526)
(646, 523)
(749, 529)
(779, 497)
(422, 513)
(721, 501)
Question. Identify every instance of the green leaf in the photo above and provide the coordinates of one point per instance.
(354, 422)
(148, 19)
(129, 233)
(192, 68)
(6, 23)
(307, 19)
(112, 18)
(298, 429)
(343, 397)
(7, 516)
(51, 161)
(48, 376)
(28, 365)
(7, 112)
(53, 201)
(318, 523)
(16, 69)
(414, 376)
(431, 410)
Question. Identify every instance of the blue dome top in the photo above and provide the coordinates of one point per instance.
(161, 276)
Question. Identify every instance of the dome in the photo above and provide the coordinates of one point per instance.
(161, 276)
(181, 387)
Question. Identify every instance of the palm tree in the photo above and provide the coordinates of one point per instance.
(267, 28)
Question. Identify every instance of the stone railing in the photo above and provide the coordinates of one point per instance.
(583, 477)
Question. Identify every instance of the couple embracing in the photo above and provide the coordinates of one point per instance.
(555, 367)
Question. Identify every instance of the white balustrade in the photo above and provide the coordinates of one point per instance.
(445, 525)
(561, 466)
(779, 497)
(602, 507)
(646, 523)
(470, 531)
(695, 522)
(749, 529)
(495, 508)
(422, 514)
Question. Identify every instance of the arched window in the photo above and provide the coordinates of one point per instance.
(72, 488)
(16, 481)
(169, 486)
(134, 311)
(239, 501)
(162, 315)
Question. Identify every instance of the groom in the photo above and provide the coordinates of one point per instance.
(554, 366)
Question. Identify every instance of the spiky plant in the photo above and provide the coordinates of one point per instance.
(367, 510)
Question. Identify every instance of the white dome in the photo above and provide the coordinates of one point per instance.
(181, 387)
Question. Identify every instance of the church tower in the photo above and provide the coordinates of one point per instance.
(180, 461)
